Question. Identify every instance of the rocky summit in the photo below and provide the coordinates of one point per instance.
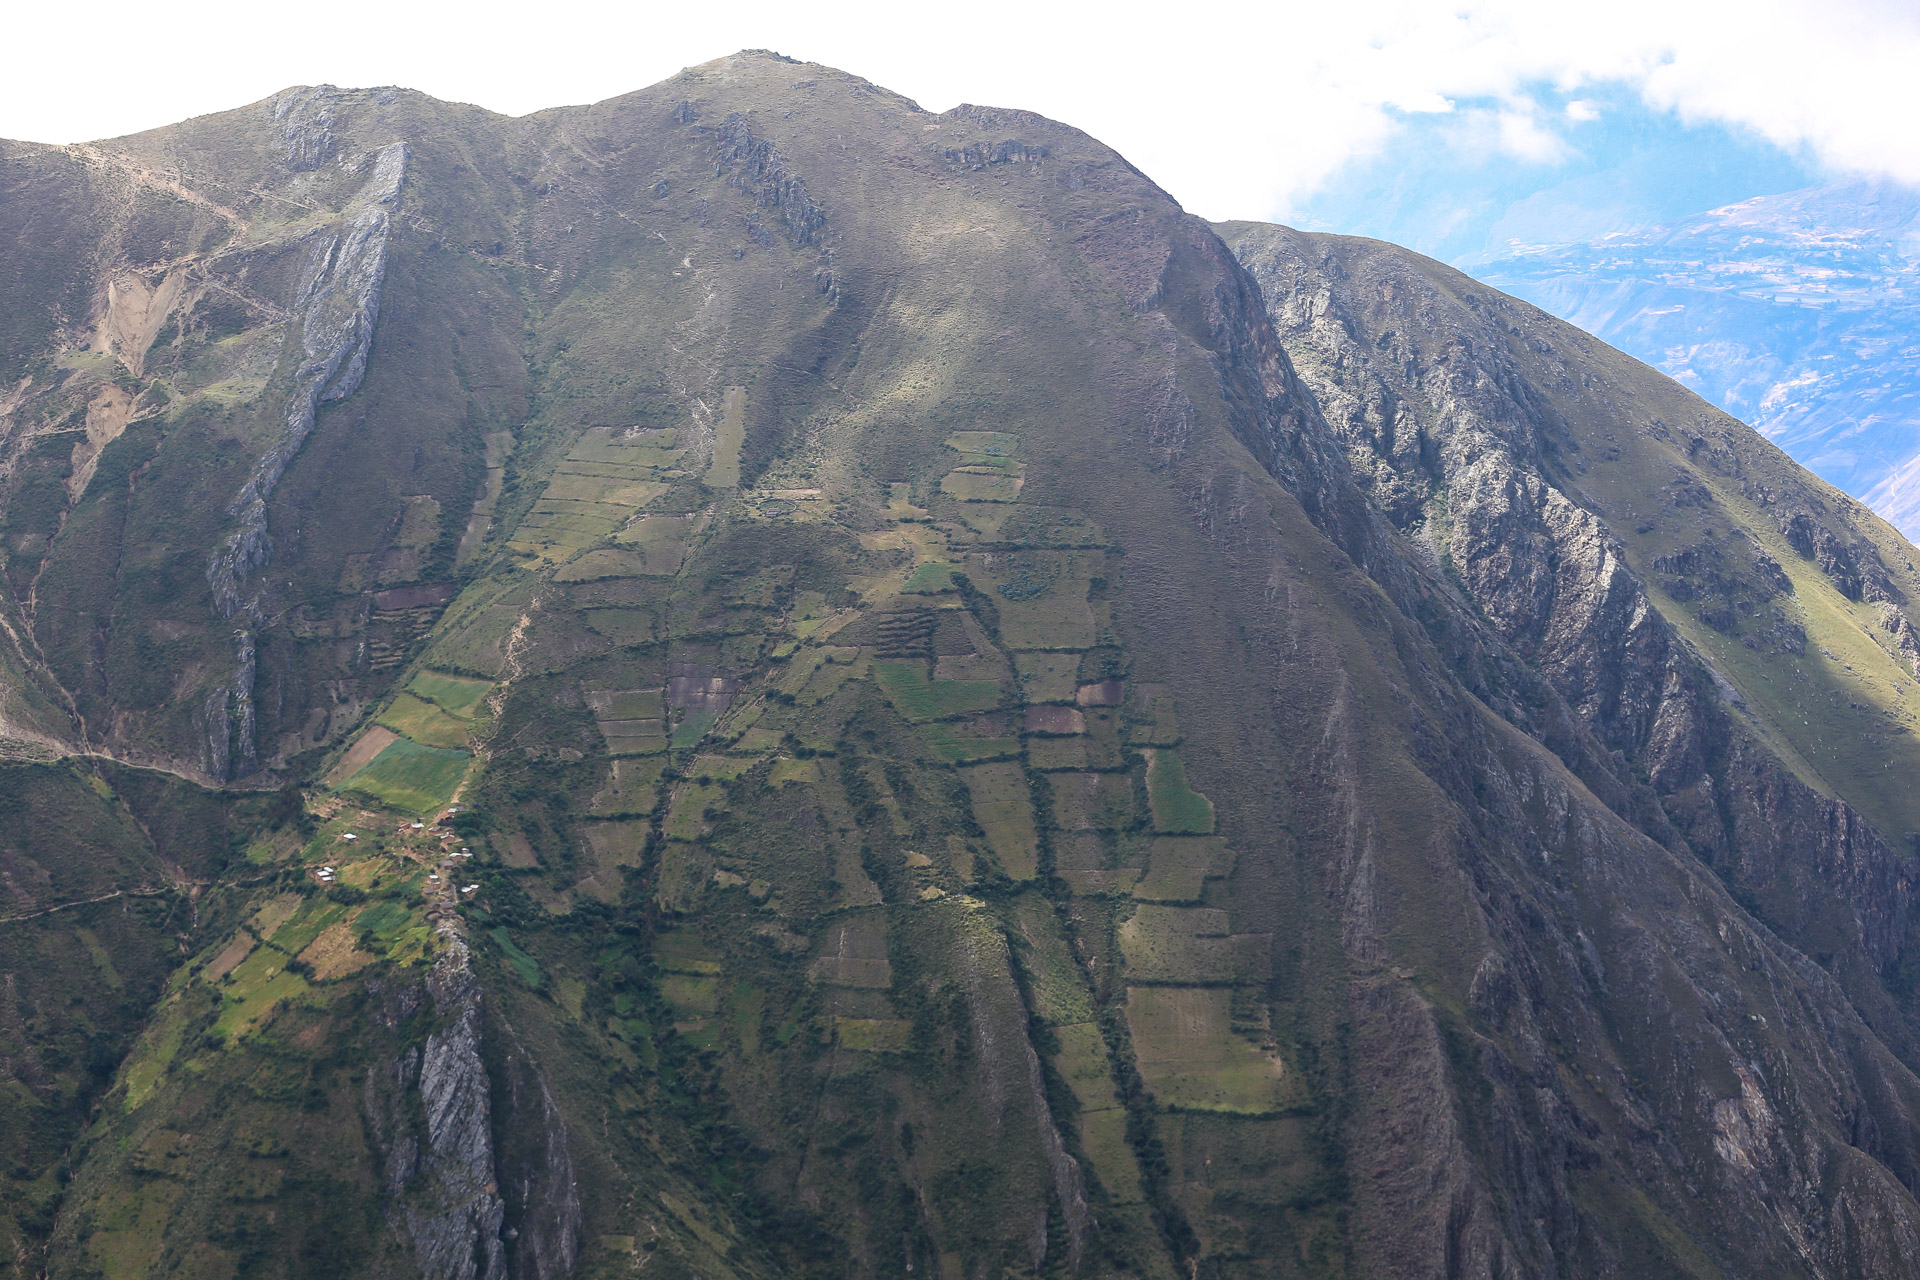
(754, 681)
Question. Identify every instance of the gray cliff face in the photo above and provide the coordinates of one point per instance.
(1701, 1073)
(337, 306)
(430, 1114)
(1472, 455)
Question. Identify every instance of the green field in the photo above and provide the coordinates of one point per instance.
(424, 722)
(456, 695)
(633, 786)
(1179, 867)
(626, 704)
(1191, 1058)
(410, 776)
(1041, 597)
(952, 743)
(929, 578)
(874, 1035)
(604, 562)
(1152, 717)
(1048, 677)
(1177, 944)
(1003, 807)
(1177, 808)
(981, 486)
(523, 965)
(985, 444)
(904, 680)
(728, 437)
(661, 542)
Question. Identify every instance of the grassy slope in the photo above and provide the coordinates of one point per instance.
(783, 990)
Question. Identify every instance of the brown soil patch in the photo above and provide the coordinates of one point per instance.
(276, 912)
(514, 850)
(107, 416)
(135, 312)
(333, 954)
(361, 753)
(237, 950)
(1056, 721)
(1107, 693)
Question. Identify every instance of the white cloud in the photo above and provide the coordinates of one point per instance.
(1237, 108)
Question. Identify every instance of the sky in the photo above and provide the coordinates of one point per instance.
(1301, 112)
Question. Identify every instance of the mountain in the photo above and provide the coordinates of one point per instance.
(751, 680)
(1799, 313)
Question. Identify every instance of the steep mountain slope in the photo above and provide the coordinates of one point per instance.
(1737, 630)
(1797, 313)
(845, 710)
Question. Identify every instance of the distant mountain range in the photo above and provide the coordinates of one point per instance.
(1798, 312)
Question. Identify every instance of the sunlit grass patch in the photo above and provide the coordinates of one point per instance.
(626, 704)
(788, 770)
(457, 695)
(1177, 944)
(1048, 677)
(1003, 806)
(729, 435)
(959, 741)
(424, 722)
(661, 541)
(1177, 808)
(981, 485)
(1179, 867)
(633, 786)
(412, 777)
(253, 990)
(905, 682)
(1192, 1059)
(984, 445)
(603, 562)
(929, 578)
(524, 966)
(874, 1035)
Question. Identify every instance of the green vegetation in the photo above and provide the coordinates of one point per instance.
(411, 777)
(729, 435)
(929, 578)
(805, 955)
(456, 695)
(523, 965)
(423, 722)
(1177, 808)
(1191, 1058)
(919, 698)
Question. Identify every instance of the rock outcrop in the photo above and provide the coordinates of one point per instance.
(338, 304)
(430, 1113)
(1467, 414)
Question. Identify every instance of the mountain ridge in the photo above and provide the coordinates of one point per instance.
(856, 693)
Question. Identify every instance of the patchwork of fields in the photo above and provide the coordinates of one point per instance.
(931, 716)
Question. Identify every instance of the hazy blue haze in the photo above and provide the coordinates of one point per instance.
(1789, 297)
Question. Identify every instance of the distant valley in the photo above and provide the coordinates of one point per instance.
(1798, 313)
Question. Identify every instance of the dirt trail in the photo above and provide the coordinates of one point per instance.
(89, 154)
